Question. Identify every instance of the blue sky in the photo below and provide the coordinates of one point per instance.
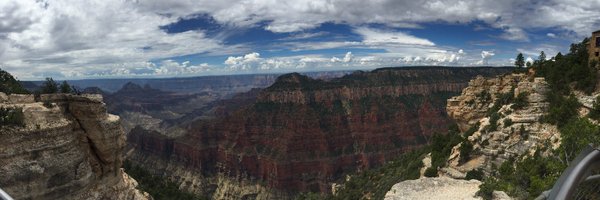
(70, 39)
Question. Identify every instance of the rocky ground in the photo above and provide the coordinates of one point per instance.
(434, 189)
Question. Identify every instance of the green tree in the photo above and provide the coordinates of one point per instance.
(542, 57)
(558, 56)
(520, 61)
(65, 87)
(10, 85)
(50, 86)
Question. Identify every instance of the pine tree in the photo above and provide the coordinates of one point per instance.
(542, 57)
(65, 87)
(50, 86)
(520, 61)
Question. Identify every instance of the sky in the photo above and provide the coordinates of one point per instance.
(75, 39)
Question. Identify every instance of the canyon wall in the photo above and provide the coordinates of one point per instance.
(68, 147)
(302, 134)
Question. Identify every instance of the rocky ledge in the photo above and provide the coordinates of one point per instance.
(68, 147)
(434, 188)
(501, 130)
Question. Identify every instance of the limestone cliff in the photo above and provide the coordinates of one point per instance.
(505, 112)
(68, 148)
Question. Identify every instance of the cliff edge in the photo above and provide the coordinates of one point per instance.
(66, 147)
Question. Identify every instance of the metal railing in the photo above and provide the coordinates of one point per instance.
(4, 195)
(578, 181)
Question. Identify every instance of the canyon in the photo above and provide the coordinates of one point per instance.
(302, 134)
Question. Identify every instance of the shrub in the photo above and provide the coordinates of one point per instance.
(508, 122)
(158, 187)
(520, 101)
(595, 112)
(476, 174)
(487, 188)
(11, 117)
(431, 172)
(471, 130)
(48, 104)
(465, 151)
(493, 126)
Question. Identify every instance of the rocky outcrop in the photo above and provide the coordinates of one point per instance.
(302, 134)
(434, 188)
(68, 148)
(503, 130)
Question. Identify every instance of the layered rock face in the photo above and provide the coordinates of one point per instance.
(70, 148)
(302, 134)
(503, 130)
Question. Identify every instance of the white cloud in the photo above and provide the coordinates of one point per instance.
(380, 37)
(512, 16)
(345, 59)
(80, 37)
(516, 34)
(551, 35)
(529, 60)
(73, 36)
(251, 57)
(485, 57)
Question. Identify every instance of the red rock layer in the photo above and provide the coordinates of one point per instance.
(302, 134)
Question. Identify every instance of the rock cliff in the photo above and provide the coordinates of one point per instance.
(69, 147)
(302, 134)
(505, 114)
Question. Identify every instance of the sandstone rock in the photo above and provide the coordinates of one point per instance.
(20, 98)
(426, 164)
(71, 151)
(3, 97)
(434, 189)
(520, 137)
(500, 195)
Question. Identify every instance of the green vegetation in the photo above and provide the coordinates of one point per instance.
(476, 174)
(441, 146)
(10, 85)
(595, 112)
(49, 86)
(65, 87)
(508, 122)
(374, 183)
(521, 101)
(431, 172)
(526, 179)
(11, 117)
(572, 68)
(520, 61)
(493, 126)
(158, 187)
(465, 151)
(528, 176)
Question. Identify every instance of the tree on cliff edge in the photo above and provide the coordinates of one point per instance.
(49, 87)
(10, 85)
(520, 61)
(65, 88)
